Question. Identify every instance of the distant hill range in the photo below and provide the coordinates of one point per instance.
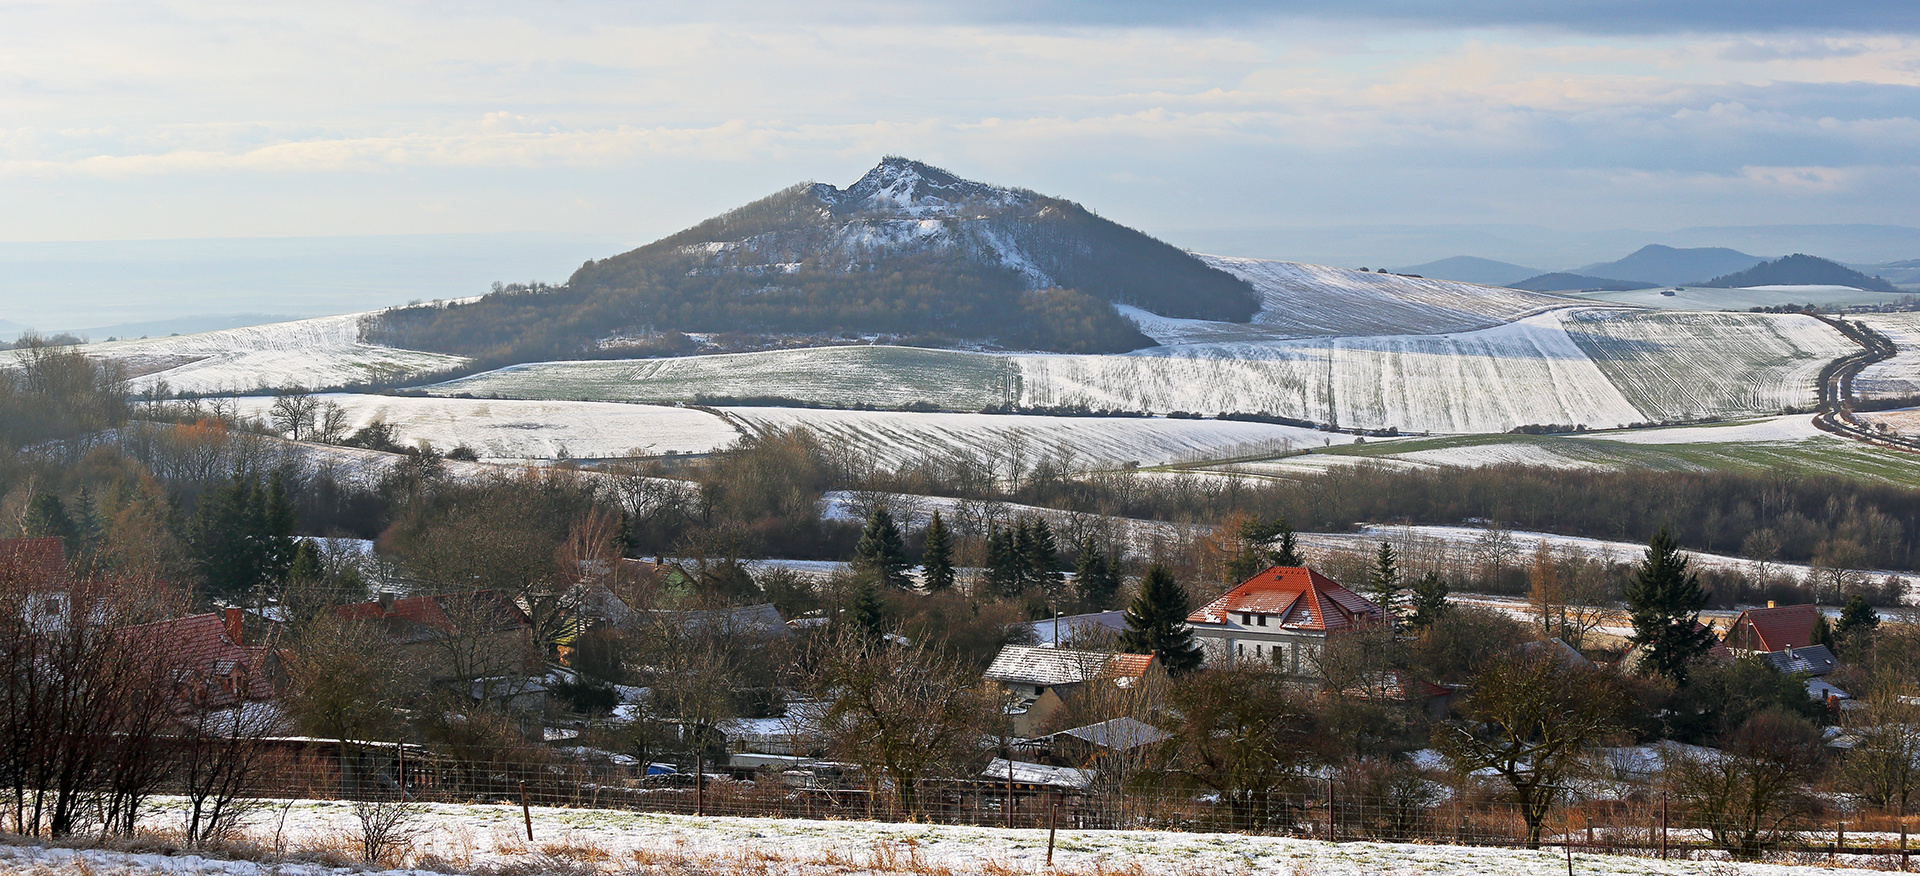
(1800, 269)
(1561, 281)
(909, 251)
(1657, 265)
(1469, 269)
(1900, 273)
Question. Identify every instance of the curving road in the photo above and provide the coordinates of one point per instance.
(1836, 386)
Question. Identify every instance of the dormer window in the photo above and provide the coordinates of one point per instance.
(1263, 620)
(1246, 619)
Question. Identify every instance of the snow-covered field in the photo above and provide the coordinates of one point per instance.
(315, 353)
(1900, 375)
(515, 429)
(1302, 300)
(1673, 365)
(998, 441)
(475, 837)
(1702, 298)
(1792, 427)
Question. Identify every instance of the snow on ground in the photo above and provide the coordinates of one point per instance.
(1900, 375)
(1302, 300)
(1703, 298)
(1477, 455)
(1796, 427)
(513, 429)
(316, 353)
(476, 836)
(999, 441)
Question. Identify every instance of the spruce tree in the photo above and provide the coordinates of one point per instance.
(1094, 580)
(1157, 623)
(1021, 544)
(881, 555)
(277, 543)
(937, 555)
(1043, 559)
(1857, 617)
(46, 517)
(1429, 601)
(866, 614)
(1003, 564)
(1822, 632)
(1384, 582)
(1289, 553)
(1664, 600)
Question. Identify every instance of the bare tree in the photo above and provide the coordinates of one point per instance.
(1529, 719)
(1247, 735)
(293, 413)
(1747, 794)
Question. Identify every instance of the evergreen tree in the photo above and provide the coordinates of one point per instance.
(881, 554)
(1429, 601)
(866, 614)
(937, 555)
(1095, 580)
(1857, 617)
(1022, 545)
(1003, 564)
(1664, 600)
(1043, 559)
(242, 537)
(1822, 633)
(1289, 553)
(1383, 583)
(46, 517)
(1157, 623)
(277, 543)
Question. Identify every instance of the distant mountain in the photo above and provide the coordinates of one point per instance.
(1562, 281)
(1901, 273)
(1658, 265)
(1468, 269)
(909, 250)
(1800, 269)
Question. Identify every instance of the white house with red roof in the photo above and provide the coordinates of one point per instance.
(1280, 617)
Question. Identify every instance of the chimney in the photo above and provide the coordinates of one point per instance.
(386, 601)
(234, 619)
(1769, 603)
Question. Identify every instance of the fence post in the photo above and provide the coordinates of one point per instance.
(1663, 827)
(1333, 835)
(1903, 845)
(1053, 824)
(526, 812)
(699, 783)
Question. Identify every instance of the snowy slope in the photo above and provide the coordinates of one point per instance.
(504, 429)
(315, 353)
(1301, 300)
(490, 838)
(1900, 375)
(996, 441)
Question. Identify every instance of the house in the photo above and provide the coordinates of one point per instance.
(1812, 660)
(1280, 617)
(1081, 628)
(1770, 629)
(33, 562)
(209, 666)
(1091, 743)
(1039, 682)
(469, 634)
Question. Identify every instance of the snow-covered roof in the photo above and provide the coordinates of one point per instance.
(1025, 664)
(1118, 734)
(1805, 660)
(1299, 597)
(1023, 773)
(1053, 630)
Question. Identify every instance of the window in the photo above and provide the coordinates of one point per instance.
(1245, 618)
(1263, 620)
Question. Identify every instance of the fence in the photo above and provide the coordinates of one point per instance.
(1406, 806)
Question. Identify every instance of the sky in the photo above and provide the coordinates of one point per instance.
(1273, 129)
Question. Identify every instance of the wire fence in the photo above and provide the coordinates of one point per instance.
(1420, 808)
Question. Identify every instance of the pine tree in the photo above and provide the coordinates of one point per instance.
(1384, 582)
(1003, 564)
(1289, 553)
(937, 556)
(1822, 633)
(1157, 623)
(866, 614)
(1094, 579)
(1043, 559)
(1022, 545)
(46, 517)
(1664, 600)
(1429, 601)
(277, 543)
(881, 555)
(1857, 617)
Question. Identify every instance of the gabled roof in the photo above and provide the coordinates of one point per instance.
(1023, 773)
(1025, 664)
(199, 648)
(1299, 597)
(1773, 629)
(419, 618)
(33, 561)
(1117, 734)
(1810, 660)
(756, 620)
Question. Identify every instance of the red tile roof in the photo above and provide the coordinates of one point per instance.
(1299, 597)
(203, 655)
(1773, 629)
(33, 561)
(417, 618)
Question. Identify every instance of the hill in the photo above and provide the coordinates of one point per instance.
(1659, 265)
(1800, 269)
(1562, 281)
(1901, 273)
(1469, 269)
(909, 250)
